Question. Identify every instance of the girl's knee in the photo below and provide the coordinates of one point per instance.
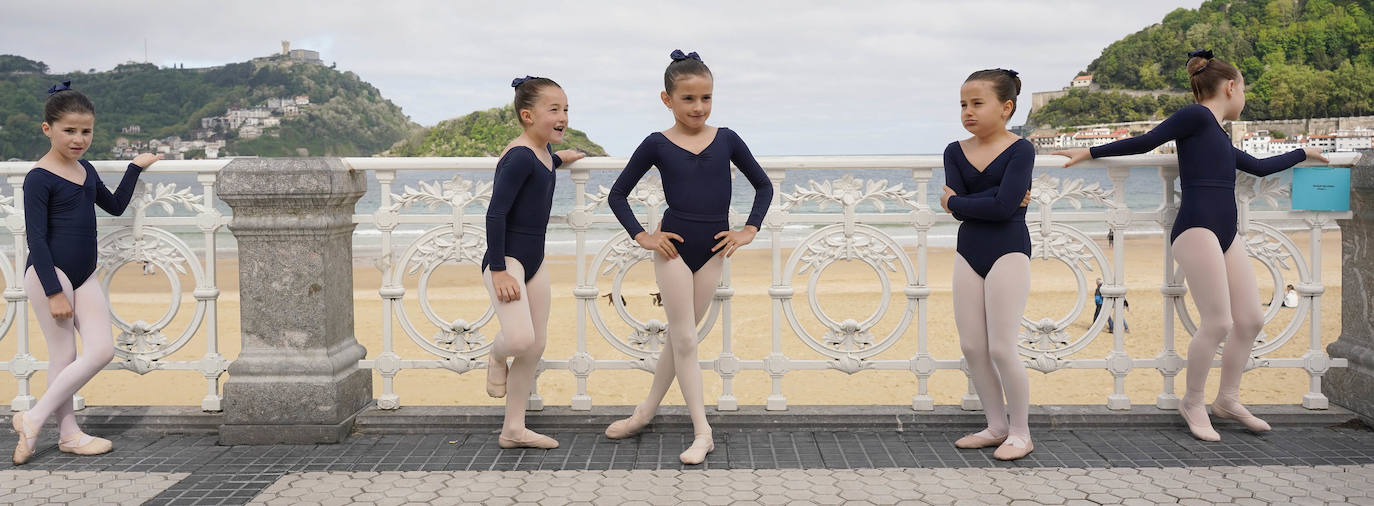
(1005, 355)
(534, 349)
(975, 350)
(684, 344)
(97, 355)
(1218, 327)
(1248, 327)
(519, 342)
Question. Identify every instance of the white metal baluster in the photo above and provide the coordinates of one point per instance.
(212, 365)
(581, 364)
(1169, 363)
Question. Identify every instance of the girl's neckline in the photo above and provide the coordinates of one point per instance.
(59, 176)
(698, 153)
(535, 154)
(1004, 151)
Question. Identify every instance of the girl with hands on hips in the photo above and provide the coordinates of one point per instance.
(693, 160)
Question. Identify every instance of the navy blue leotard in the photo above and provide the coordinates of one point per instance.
(697, 188)
(59, 220)
(1207, 164)
(989, 203)
(518, 216)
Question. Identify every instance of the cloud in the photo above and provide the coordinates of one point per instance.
(802, 77)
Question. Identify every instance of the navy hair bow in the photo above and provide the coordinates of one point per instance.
(679, 56)
(1010, 72)
(515, 83)
(1204, 54)
(66, 85)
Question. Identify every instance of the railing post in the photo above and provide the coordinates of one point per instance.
(1351, 386)
(581, 363)
(296, 379)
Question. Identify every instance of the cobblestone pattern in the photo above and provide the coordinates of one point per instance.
(1142, 486)
(78, 488)
(236, 474)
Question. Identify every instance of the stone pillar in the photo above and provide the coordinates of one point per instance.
(1353, 387)
(297, 378)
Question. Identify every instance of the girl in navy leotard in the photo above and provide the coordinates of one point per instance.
(1214, 259)
(517, 218)
(59, 218)
(987, 185)
(693, 160)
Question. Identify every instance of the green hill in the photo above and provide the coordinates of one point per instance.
(1300, 58)
(346, 116)
(481, 133)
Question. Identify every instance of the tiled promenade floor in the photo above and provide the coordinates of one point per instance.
(1303, 465)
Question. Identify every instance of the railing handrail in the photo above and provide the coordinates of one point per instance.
(818, 162)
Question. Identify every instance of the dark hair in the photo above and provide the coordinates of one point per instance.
(1208, 74)
(1005, 84)
(64, 102)
(688, 65)
(527, 92)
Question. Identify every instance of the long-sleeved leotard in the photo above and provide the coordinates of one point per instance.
(59, 219)
(518, 215)
(989, 203)
(697, 188)
(1207, 164)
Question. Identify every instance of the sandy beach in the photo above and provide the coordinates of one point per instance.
(846, 291)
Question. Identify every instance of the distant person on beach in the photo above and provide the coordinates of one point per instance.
(59, 218)
(512, 269)
(987, 186)
(1124, 326)
(1216, 265)
(1290, 297)
(1097, 299)
(694, 237)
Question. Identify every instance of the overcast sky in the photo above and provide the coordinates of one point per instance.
(793, 78)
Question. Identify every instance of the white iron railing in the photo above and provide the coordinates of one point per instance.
(849, 235)
(135, 238)
(847, 344)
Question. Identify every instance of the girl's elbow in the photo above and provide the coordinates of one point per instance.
(1005, 213)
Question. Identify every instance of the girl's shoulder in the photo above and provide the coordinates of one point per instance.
(1194, 110)
(518, 155)
(518, 152)
(728, 134)
(654, 140)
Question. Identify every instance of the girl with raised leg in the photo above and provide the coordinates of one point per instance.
(517, 218)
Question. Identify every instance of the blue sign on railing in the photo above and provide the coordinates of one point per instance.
(1321, 188)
